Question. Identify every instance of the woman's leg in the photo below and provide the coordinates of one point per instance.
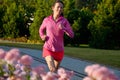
(50, 63)
(57, 64)
(53, 65)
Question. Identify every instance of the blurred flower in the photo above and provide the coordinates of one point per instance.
(97, 72)
(65, 74)
(87, 78)
(89, 69)
(13, 66)
(40, 69)
(2, 54)
(16, 53)
(50, 76)
(26, 60)
(16, 67)
(16, 78)
(12, 56)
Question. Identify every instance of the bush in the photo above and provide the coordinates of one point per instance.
(105, 27)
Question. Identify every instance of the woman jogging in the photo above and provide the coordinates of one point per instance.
(52, 32)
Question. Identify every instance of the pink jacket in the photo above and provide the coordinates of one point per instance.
(55, 35)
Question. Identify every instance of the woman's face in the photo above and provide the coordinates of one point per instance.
(57, 8)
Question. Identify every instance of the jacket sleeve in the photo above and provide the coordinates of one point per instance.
(68, 30)
(42, 29)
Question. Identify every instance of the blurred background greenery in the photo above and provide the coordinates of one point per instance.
(95, 22)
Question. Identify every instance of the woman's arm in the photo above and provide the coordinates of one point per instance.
(65, 26)
(42, 30)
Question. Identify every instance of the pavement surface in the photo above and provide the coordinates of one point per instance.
(68, 63)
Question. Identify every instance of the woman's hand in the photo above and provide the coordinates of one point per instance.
(61, 26)
(44, 38)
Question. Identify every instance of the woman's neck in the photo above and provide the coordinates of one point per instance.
(55, 17)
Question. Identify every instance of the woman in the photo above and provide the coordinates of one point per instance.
(52, 32)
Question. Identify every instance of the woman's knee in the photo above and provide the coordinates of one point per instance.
(50, 63)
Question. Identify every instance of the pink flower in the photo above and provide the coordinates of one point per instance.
(2, 54)
(9, 57)
(89, 69)
(39, 69)
(69, 74)
(26, 60)
(61, 71)
(46, 77)
(15, 78)
(64, 77)
(12, 56)
(97, 72)
(64, 74)
(18, 66)
(16, 53)
(100, 72)
(87, 78)
(53, 75)
(109, 76)
(20, 78)
(104, 74)
(50, 76)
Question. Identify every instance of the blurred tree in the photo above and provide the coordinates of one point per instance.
(2, 12)
(91, 4)
(80, 20)
(74, 14)
(69, 5)
(105, 25)
(26, 9)
(86, 15)
(43, 9)
(82, 34)
(9, 20)
(21, 21)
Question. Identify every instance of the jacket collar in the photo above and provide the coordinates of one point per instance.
(60, 18)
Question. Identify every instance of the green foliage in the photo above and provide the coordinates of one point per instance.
(16, 20)
(91, 4)
(10, 29)
(86, 15)
(80, 20)
(2, 12)
(13, 20)
(74, 14)
(38, 17)
(21, 22)
(77, 4)
(69, 5)
(105, 25)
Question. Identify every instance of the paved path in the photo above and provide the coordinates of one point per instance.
(68, 63)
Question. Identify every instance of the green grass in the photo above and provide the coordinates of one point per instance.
(105, 57)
